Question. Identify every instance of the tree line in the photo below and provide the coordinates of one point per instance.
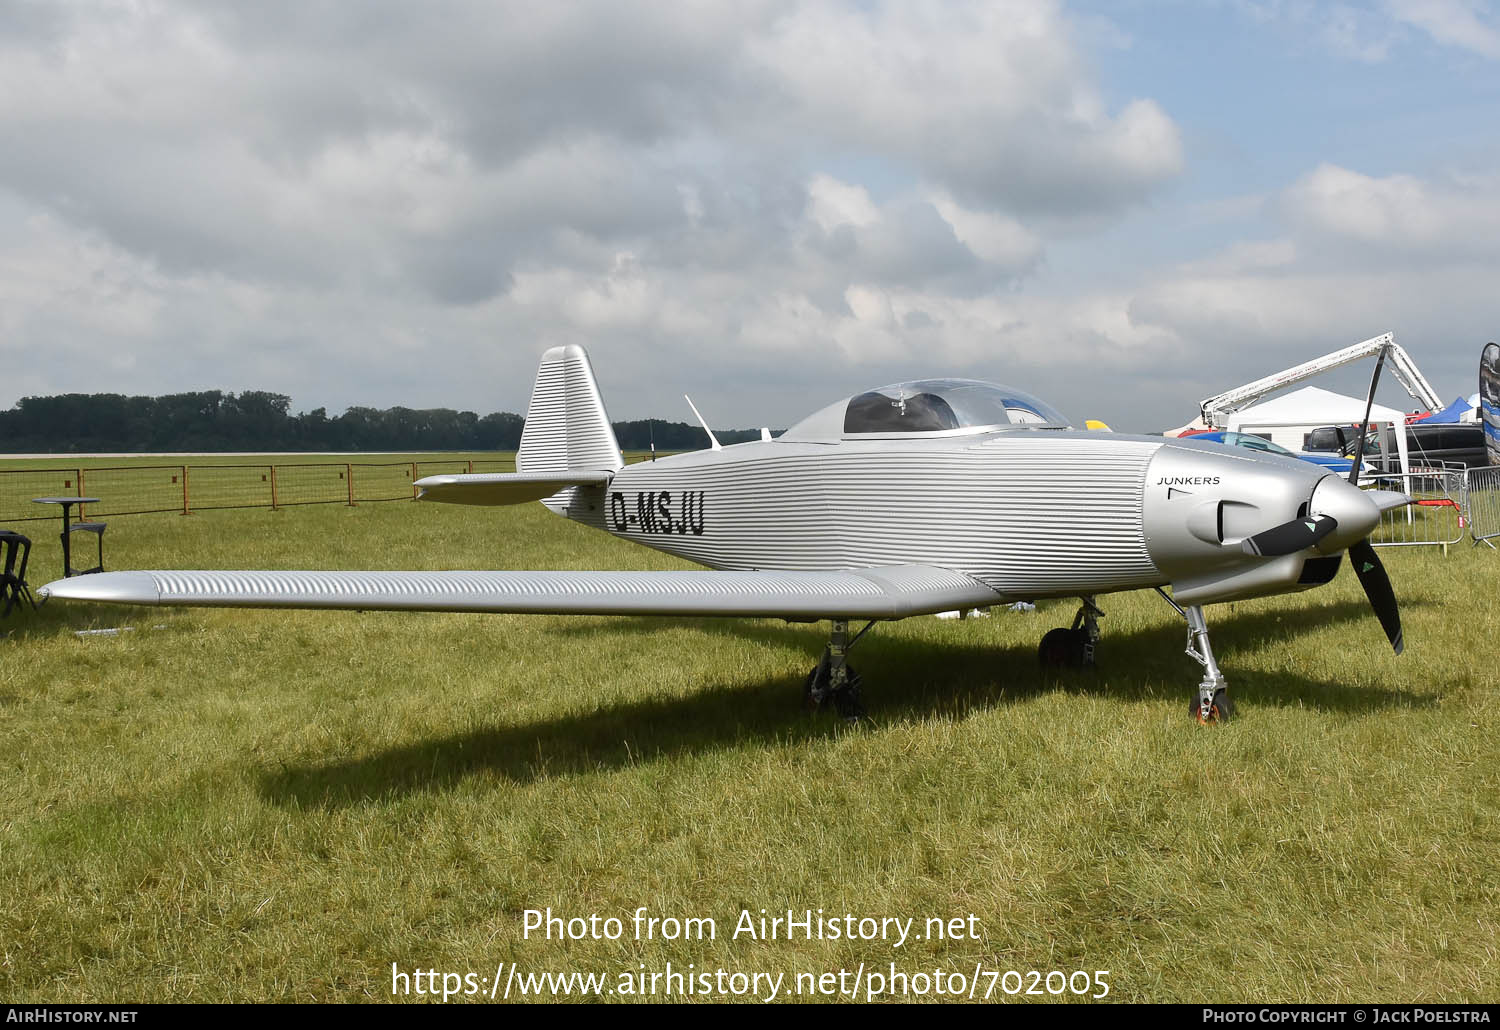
(212, 420)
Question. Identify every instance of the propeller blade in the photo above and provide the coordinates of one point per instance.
(1364, 429)
(1378, 589)
(1290, 537)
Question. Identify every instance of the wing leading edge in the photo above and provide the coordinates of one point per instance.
(889, 592)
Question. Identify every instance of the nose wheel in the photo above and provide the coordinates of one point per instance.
(1220, 709)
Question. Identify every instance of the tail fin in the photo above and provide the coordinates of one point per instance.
(567, 428)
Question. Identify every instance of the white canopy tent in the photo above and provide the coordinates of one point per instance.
(1306, 409)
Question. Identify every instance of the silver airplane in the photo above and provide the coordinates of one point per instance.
(912, 499)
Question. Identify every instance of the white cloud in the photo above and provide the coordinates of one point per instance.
(1361, 255)
(1349, 31)
(831, 203)
(988, 99)
(996, 238)
(1458, 23)
(1246, 256)
(1396, 217)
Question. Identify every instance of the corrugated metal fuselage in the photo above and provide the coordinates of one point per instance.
(1028, 513)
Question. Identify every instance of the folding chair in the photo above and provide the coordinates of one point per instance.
(13, 585)
(97, 528)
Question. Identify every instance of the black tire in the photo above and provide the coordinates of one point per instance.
(1221, 711)
(847, 701)
(1078, 648)
(1055, 647)
(817, 694)
(1064, 647)
(815, 688)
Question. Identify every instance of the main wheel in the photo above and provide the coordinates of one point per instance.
(818, 691)
(1064, 647)
(815, 689)
(1054, 648)
(846, 701)
(1222, 709)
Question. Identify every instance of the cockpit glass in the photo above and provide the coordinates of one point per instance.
(938, 405)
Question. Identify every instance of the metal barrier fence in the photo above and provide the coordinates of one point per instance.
(1482, 488)
(1440, 512)
(139, 489)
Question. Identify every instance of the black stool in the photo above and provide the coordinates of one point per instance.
(97, 528)
(13, 581)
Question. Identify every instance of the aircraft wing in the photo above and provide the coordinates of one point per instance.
(889, 592)
(493, 488)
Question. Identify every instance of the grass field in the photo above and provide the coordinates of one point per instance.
(239, 805)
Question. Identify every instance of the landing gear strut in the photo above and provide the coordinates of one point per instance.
(1073, 647)
(833, 680)
(1211, 704)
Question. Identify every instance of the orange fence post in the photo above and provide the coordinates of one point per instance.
(414, 481)
(187, 505)
(273, 488)
(79, 481)
(349, 474)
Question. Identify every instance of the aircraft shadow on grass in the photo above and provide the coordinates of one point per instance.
(52, 621)
(915, 679)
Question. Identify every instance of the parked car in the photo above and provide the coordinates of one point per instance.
(1429, 445)
(1332, 462)
(1329, 439)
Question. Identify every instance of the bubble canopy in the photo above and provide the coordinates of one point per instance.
(946, 406)
(929, 407)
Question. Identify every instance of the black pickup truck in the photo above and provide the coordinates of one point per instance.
(1459, 443)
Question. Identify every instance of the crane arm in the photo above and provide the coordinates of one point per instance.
(1216, 408)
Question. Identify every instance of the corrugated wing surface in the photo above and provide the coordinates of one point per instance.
(871, 593)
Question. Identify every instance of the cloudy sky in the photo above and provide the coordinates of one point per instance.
(1122, 206)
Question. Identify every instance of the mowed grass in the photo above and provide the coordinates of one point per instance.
(242, 805)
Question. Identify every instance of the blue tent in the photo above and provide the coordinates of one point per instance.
(1454, 412)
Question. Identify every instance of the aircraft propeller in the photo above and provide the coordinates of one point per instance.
(1378, 589)
(1367, 564)
(1290, 537)
(1309, 531)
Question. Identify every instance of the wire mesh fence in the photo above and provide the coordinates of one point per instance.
(17, 488)
(139, 489)
(225, 486)
(130, 491)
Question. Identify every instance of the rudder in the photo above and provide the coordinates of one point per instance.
(567, 428)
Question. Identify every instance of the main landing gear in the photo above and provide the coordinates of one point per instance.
(833, 680)
(1073, 647)
(1211, 704)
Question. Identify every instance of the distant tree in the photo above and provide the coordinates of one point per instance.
(500, 431)
(257, 420)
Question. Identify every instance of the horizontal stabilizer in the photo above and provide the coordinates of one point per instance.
(1385, 500)
(878, 593)
(504, 487)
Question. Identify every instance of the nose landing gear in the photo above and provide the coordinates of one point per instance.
(1211, 705)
